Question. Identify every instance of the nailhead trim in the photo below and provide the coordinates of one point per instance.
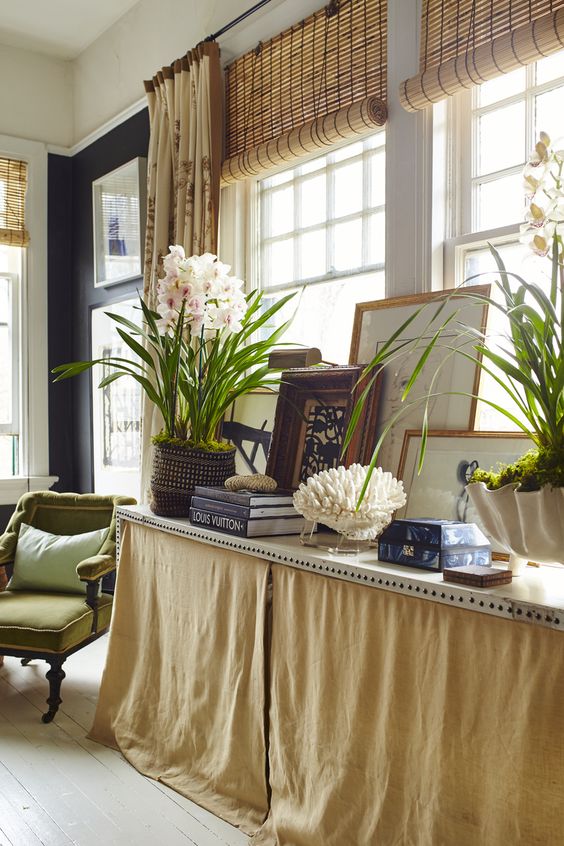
(477, 602)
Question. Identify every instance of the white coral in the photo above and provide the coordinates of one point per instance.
(330, 497)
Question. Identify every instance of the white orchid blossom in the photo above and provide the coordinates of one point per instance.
(213, 301)
(543, 175)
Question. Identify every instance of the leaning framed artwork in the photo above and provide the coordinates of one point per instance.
(312, 413)
(458, 378)
(119, 208)
(451, 457)
(248, 425)
(116, 408)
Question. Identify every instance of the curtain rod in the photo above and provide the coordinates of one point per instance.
(238, 20)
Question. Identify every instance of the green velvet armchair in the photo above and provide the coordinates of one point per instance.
(51, 626)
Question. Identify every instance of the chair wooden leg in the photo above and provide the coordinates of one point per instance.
(55, 676)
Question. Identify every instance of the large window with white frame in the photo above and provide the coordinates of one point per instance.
(495, 128)
(321, 234)
(24, 428)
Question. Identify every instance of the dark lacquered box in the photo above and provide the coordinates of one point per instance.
(434, 544)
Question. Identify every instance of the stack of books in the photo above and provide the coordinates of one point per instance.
(248, 514)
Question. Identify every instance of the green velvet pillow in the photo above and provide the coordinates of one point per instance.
(48, 562)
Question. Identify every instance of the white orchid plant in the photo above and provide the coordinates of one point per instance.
(198, 352)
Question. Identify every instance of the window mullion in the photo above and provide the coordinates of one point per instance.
(329, 215)
(530, 98)
(367, 162)
(296, 237)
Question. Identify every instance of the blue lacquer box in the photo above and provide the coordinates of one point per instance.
(434, 544)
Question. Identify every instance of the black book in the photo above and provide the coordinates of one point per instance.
(248, 498)
(246, 512)
(246, 528)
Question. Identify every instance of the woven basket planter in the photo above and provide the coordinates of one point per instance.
(176, 472)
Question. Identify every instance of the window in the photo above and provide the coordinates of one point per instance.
(322, 233)
(500, 130)
(495, 128)
(24, 429)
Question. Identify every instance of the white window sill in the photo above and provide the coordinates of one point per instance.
(12, 489)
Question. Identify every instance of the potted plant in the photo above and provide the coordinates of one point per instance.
(194, 356)
(522, 505)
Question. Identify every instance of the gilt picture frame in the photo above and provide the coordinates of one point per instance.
(451, 457)
(312, 414)
(459, 376)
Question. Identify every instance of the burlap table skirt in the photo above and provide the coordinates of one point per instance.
(393, 721)
(401, 722)
(182, 695)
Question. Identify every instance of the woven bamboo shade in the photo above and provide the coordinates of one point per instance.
(466, 42)
(13, 184)
(319, 82)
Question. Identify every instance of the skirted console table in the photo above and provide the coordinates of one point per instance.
(314, 700)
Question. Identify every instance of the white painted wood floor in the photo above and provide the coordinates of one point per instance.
(58, 788)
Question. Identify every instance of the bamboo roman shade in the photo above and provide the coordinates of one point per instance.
(319, 82)
(466, 42)
(13, 184)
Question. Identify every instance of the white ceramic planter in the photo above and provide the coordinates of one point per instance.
(530, 525)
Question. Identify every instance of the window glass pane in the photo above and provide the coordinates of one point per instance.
(348, 245)
(347, 152)
(279, 178)
(501, 138)
(348, 189)
(326, 313)
(518, 259)
(8, 456)
(312, 254)
(376, 140)
(279, 263)
(501, 87)
(282, 211)
(312, 200)
(376, 238)
(549, 115)
(500, 202)
(378, 179)
(5, 352)
(315, 164)
(550, 68)
(10, 259)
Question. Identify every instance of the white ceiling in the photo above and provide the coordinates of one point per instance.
(62, 28)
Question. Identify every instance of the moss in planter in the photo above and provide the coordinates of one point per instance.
(207, 446)
(531, 472)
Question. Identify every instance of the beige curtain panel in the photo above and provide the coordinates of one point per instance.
(319, 82)
(182, 695)
(183, 176)
(467, 42)
(402, 722)
(13, 185)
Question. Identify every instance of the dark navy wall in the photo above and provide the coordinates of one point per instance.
(61, 292)
(120, 145)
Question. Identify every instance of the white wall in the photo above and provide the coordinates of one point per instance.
(108, 75)
(35, 97)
